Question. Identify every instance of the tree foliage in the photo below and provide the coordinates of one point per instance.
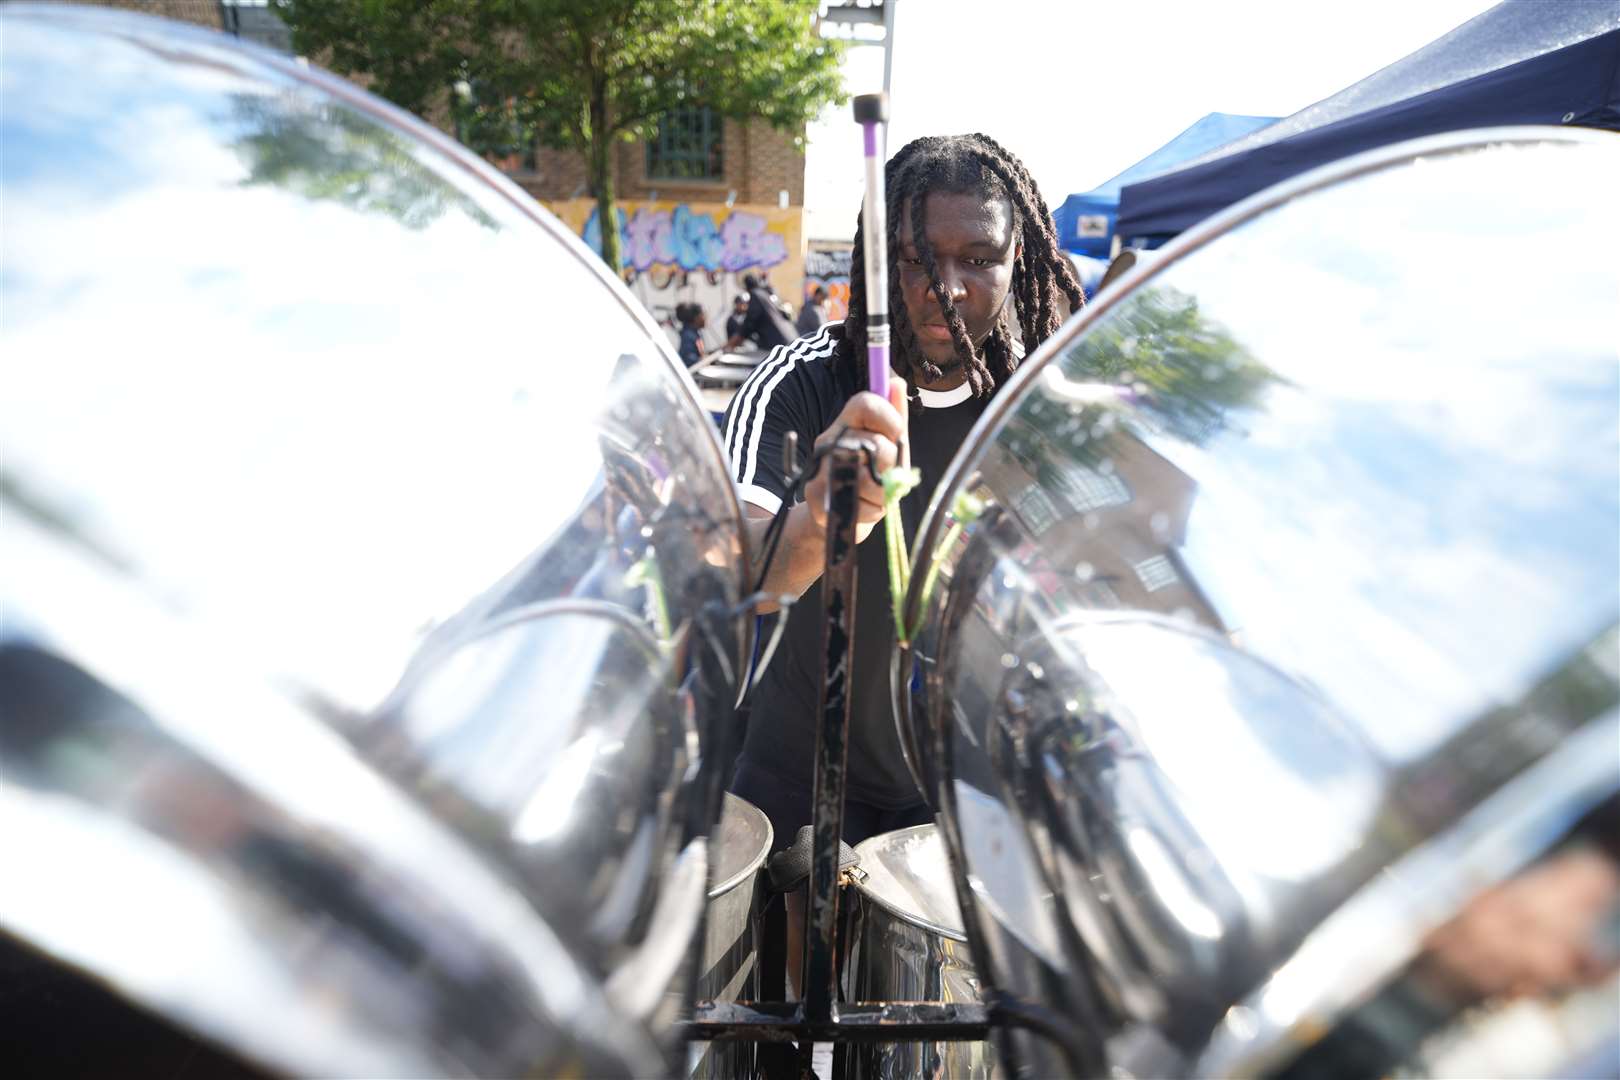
(330, 153)
(1185, 372)
(1188, 370)
(577, 74)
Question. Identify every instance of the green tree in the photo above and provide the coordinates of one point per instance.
(577, 74)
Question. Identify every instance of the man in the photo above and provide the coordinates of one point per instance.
(986, 258)
(763, 322)
(814, 313)
(734, 322)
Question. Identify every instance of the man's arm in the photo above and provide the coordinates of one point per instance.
(801, 552)
(800, 555)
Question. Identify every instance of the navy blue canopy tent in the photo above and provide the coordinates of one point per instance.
(1521, 62)
(1085, 222)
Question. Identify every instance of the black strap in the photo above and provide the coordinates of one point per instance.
(791, 868)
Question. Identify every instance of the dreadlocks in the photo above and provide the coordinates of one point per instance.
(964, 164)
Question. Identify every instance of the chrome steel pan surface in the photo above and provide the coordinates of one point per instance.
(906, 944)
(729, 968)
(364, 506)
(1269, 614)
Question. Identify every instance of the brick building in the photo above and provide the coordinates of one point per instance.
(250, 20)
(705, 202)
(209, 13)
(755, 164)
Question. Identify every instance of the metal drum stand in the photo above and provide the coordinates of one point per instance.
(819, 1017)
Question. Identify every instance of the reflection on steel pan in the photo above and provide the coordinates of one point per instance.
(336, 932)
(729, 969)
(1276, 605)
(585, 811)
(906, 943)
(311, 417)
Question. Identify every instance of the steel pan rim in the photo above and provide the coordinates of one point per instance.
(1003, 404)
(751, 868)
(910, 918)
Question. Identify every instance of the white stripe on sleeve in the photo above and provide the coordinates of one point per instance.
(760, 497)
(821, 348)
(759, 384)
(778, 357)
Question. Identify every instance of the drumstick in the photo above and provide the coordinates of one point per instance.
(872, 113)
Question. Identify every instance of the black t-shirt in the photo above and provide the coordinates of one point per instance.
(797, 388)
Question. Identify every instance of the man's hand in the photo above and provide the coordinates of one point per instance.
(1533, 935)
(880, 423)
(802, 552)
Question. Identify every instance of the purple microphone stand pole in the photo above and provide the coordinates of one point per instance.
(872, 113)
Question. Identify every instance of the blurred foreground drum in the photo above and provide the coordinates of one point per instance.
(907, 944)
(374, 647)
(730, 970)
(1268, 641)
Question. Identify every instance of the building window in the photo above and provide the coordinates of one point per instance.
(689, 145)
(1156, 573)
(1088, 489)
(1036, 510)
(524, 162)
(252, 20)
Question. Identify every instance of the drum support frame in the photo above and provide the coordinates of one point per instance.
(819, 1017)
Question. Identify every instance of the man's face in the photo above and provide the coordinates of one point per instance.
(974, 252)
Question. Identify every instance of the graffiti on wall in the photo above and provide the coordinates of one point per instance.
(829, 268)
(691, 252)
(692, 240)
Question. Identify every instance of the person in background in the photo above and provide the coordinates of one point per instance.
(978, 277)
(692, 319)
(763, 322)
(739, 311)
(782, 306)
(815, 311)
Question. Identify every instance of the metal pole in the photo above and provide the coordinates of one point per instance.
(872, 113)
(843, 467)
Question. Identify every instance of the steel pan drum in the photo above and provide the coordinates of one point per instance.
(367, 634)
(729, 970)
(907, 944)
(1275, 613)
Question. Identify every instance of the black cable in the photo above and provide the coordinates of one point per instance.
(772, 541)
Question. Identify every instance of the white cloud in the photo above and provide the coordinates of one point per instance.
(249, 379)
(1428, 514)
